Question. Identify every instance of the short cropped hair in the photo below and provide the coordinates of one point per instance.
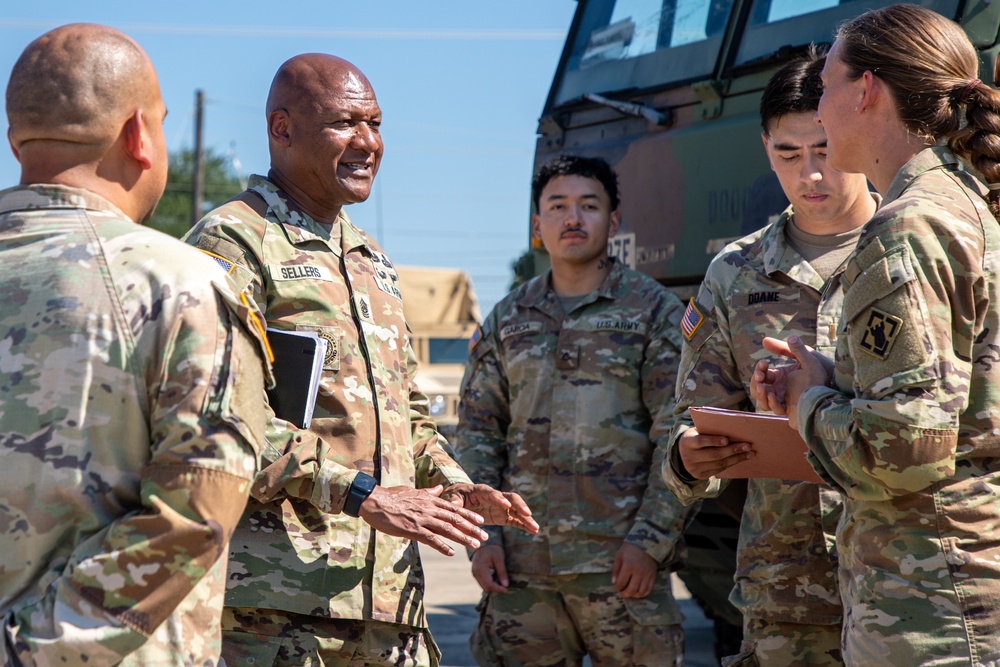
(795, 88)
(576, 165)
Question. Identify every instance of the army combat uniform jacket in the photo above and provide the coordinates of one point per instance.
(911, 434)
(760, 286)
(572, 411)
(129, 429)
(294, 550)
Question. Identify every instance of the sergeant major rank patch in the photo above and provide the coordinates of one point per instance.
(881, 331)
(692, 319)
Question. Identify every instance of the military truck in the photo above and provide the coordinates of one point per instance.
(668, 92)
(442, 311)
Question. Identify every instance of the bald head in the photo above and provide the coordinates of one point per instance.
(309, 81)
(77, 84)
(85, 111)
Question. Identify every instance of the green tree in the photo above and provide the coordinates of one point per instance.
(173, 213)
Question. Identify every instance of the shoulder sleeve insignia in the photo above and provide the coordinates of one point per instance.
(881, 330)
(692, 320)
(477, 336)
(226, 264)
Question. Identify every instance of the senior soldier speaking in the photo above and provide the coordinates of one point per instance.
(568, 399)
(131, 382)
(323, 565)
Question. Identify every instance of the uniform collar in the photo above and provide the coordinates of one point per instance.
(924, 161)
(780, 257)
(539, 293)
(51, 196)
(301, 227)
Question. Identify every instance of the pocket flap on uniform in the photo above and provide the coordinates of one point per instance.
(883, 277)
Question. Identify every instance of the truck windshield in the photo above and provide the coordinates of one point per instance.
(448, 350)
(777, 23)
(632, 45)
(626, 44)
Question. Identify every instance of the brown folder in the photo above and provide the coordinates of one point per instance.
(779, 450)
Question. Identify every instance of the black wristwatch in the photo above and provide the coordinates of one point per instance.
(361, 488)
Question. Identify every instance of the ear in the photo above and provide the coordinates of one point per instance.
(10, 141)
(616, 219)
(536, 226)
(277, 127)
(135, 139)
(872, 91)
(767, 149)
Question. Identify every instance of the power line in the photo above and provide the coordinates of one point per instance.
(272, 31)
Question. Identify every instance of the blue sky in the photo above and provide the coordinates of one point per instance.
(461, 84)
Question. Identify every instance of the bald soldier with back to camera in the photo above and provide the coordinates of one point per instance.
(131, 382)
(325, 564)
(774, 280)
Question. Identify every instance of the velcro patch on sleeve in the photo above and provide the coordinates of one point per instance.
(477, 336)
(226, 264)
(880, 332)
(691, 320)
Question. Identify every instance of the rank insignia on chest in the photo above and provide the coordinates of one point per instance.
(692, 319)
(881, 330)
(364, 308)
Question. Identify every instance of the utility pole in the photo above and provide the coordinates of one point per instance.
(198, 180)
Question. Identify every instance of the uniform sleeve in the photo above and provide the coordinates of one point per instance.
(484, 417)
(909, 329)
(305, 466)
(433, 455)
(659, 522)
(204, 379)
(707, 376)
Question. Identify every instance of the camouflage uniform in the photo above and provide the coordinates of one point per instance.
(786, 581)
(130, 421)
(294, 550)
(570, 410)
(910, 435)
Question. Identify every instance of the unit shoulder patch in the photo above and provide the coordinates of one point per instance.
(881, 331)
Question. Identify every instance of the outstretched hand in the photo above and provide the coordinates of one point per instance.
(423, 516)
(498, 508)
(778, 390)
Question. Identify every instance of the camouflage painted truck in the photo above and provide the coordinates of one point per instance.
(668, 92)
(442, 311)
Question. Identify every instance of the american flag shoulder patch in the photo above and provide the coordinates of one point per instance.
(477, 336)
(692, 319)
(222, 261)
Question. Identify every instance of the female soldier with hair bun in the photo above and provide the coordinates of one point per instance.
(906, 424)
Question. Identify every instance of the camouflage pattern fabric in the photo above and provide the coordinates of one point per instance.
(556, 620)
(567, 410)
(787, 645)
(571, 411)
(294, 550)
(264, 638)
(910, 435)
(760, 286)
(130, 422)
